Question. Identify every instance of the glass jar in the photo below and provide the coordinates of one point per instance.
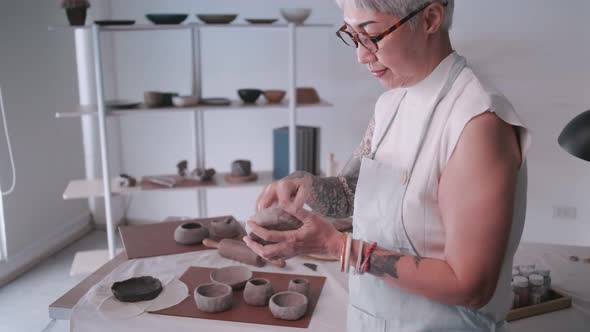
(520, 287)
(537, 291)
(546, 274)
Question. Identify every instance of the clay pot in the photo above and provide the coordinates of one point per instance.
(190, 233)
(249, 96)
(76, 16)
(153, 99)
(288, 305)
(307, 95)
(233, 276)
(213, 297)
(273, 218)
(241, 168)
(225, 229)
(257, 292)
(274, 96)
(299, 285)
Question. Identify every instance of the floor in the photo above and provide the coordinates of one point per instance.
(24, 302)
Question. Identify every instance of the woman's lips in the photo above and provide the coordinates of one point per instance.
(379, 73)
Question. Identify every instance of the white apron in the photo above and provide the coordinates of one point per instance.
(376, 306)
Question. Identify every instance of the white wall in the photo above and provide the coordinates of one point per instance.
(535, 51)
(37, 73)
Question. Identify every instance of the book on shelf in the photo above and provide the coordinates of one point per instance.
(306, 151)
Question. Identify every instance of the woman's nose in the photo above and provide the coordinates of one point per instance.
(365, 56)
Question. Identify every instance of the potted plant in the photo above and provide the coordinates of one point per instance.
(76, 11)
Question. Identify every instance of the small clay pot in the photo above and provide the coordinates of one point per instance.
(299, 285)
(307, 95)
(274, 96)
(190, 233)
(241, 168)
(257, 292)
(76, 16)
(225, 228)
(153, 99)
(288, 305)
(234, 276)
(213, 297)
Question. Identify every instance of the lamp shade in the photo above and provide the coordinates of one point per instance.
(575, 137)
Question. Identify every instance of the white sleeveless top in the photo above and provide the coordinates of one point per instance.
(467, 98)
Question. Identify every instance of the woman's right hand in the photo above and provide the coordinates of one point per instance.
(290, 193)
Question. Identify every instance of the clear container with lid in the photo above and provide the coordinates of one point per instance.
(520, 287)
(537, 291)
(527, 270)
(546, 274)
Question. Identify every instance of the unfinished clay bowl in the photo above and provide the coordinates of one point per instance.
(274, 96)
(234, 276)
(299, 285)
(190, 233)
(257, 292)
(225, 228)
(288, 305)
(273, 218)
(241, 168)
(307, 95)
(213, 297)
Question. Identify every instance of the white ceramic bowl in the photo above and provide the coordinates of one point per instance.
(185, 101)
(296, 15)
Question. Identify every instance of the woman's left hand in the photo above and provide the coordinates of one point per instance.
(316, 235)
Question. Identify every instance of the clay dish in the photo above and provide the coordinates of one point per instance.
(190, 233)
(225, 228)
(299, 285)
(166, 18)
(137, 289)
(249, 96)
(213, 297)
(257, 292)
(274, 96)
(217, 18)
(307, 95)
(288, 305)
(233, 276)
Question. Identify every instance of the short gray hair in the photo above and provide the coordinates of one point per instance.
(400, 8)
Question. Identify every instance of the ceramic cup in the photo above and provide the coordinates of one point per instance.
(190, 233)
(258, 291)
(288, 305)
(233, 276)
(224, 229)
(299, 285)
(213, 297)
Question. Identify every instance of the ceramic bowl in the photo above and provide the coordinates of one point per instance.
(190, 233)
(299, 285)
(213, 297)
(288, 305)
(185, 101)
(258, 291)
(241, 168)
(307, 95)
(166, 18)
(217, 18)
(224, 228)
(249, 96)
(153, 99)
(274, 96)
(296, 15)
(261, 20)
(233, 276)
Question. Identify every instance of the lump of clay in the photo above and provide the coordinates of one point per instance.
(273, 218)
(137, 289)
(202, 174)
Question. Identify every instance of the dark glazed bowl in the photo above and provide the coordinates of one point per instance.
(249, 96)
(166, 18)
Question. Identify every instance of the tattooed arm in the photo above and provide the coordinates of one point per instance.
(334, 196)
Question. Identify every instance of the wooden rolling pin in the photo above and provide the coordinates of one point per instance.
(239, 251)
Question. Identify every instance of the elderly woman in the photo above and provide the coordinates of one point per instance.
(437, 187)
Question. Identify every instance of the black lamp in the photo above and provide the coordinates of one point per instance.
(575, 137)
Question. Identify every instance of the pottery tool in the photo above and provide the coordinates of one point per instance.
(239, 251)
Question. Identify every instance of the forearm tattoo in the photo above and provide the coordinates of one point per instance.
(381, 264)
(334, 196)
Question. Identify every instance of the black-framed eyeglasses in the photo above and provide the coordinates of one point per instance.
(353, 39)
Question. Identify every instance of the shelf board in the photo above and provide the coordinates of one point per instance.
(235, 106)
(78, 189)
(184, 26)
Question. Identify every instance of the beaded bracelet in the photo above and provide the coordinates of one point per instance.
(365, 265)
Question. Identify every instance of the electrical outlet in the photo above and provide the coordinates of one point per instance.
(565, 212)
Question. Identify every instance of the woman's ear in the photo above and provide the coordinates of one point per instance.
(434, 16)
